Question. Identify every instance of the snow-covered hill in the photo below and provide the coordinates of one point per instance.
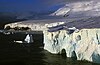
(90, 8)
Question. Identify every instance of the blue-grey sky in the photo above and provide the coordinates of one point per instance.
(21, 5)
(32, 5)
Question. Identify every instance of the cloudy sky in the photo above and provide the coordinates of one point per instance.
(32, 5)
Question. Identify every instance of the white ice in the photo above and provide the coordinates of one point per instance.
(85, 43)
(85, 8)
(28, 39)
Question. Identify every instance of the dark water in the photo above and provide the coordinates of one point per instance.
(30, 54)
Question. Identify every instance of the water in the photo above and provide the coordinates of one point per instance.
(30, 54)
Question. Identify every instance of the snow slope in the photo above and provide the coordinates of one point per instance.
(85, 8)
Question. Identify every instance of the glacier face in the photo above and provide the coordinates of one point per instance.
(85, 43)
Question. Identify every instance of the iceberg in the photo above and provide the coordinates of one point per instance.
(28, 39)
(84, 44)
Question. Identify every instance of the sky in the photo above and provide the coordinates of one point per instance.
(32, 5)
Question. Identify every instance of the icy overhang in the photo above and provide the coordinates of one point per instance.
(84, 44)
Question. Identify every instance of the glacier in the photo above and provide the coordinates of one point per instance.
(84, 44)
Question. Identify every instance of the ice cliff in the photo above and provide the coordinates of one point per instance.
(84, 44)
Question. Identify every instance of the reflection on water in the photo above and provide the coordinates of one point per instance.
(30, 54)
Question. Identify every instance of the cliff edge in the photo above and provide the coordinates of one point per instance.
(84, 44)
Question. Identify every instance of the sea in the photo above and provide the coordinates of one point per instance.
(12, 53)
